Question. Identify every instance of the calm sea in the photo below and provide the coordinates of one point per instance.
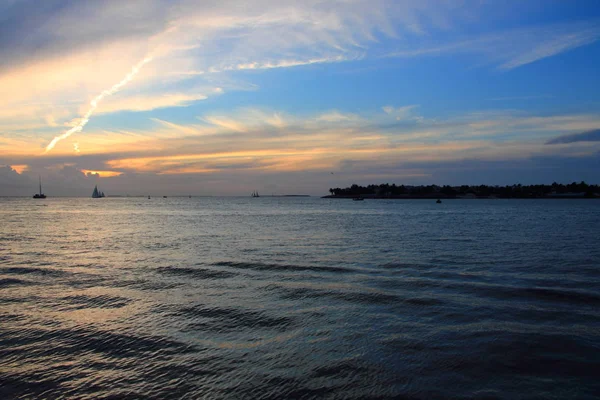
(299, 298)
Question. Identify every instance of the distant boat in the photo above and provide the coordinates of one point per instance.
(97, 194)
(438, 201)
(148, 197)
(40, 195)
(357, 199)
(164, 197)
(255, 194)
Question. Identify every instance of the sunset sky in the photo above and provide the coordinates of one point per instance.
(294, 97)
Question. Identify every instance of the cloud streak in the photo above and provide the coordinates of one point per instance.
(513, 48)
(94, 104)
(564, 41)
(589, 136)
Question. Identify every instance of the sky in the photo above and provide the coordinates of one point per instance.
(224, 97)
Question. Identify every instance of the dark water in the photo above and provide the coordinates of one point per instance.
(299, 298)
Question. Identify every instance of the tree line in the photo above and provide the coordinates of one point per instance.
(386, 190)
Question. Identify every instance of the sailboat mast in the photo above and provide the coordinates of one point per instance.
(40, 178)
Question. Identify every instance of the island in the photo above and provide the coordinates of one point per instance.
(386, 191)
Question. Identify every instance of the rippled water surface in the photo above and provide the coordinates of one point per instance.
(299, 298)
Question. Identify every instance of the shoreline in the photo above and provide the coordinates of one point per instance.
(459, 198)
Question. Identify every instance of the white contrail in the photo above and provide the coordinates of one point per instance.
(94, 104)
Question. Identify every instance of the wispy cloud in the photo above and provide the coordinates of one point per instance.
(86, 55)
(283, 63)
(336, 116)
(150, 102)
(554, 43)
(589, 136)
(404, 113)
(517, 98)
(226, 123)
(202, 44)
(512, 48)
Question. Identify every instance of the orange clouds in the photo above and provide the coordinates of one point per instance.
(263, 140)
(102, 174)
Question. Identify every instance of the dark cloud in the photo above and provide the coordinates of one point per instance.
(533, 170)
(57, 181)
(11, 181)
(33, 29)
(589, 136)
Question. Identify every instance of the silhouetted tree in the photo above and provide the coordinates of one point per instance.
(386, 190)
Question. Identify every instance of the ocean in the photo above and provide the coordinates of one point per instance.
(298, 298)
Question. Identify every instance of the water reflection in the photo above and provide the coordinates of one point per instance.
(291, 298)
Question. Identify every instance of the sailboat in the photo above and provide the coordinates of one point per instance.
(97, 194)
(40, 195)
(255, 194)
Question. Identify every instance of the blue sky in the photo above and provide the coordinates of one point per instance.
(230, 97)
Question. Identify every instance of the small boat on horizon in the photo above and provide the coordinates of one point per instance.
(255, 194)
(438, 201)
(97, 194)
(40, 195)
(358, 199)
